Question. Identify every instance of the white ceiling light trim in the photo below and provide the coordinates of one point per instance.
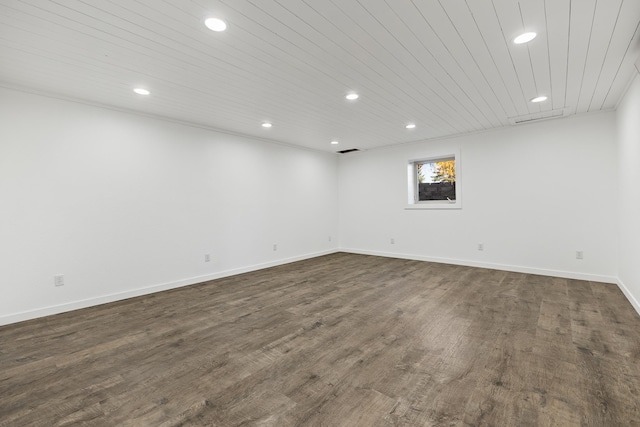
(215, 24)
(539, 99)
(525, 38)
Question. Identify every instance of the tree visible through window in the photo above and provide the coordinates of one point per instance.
(435, 180)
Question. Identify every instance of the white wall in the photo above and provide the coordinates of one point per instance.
(533, 194)
(120, 202)
(629, 184)
(123, 204)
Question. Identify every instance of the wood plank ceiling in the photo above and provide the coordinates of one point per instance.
(449, 66)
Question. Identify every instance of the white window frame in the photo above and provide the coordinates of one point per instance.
(412, 183)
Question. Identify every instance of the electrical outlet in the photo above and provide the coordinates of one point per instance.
(58, 280)
(275, 247)
(579, 255)
(481, 246)
(393, 241)
(207, 257)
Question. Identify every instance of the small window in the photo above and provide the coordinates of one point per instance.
(433, 183)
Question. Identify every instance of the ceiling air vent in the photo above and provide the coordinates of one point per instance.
(536, 117)
(347, 151)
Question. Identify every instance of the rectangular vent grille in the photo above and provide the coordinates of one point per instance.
(347, 151)
(544, 115)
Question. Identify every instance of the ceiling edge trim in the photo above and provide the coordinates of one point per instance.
(480, 132)
(59, 96)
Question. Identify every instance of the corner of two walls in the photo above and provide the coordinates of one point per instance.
(124, 205)
(628, 180)
(533, 195)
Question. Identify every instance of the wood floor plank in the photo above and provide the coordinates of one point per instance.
(340, 340)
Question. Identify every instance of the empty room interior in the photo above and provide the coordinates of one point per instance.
(319, 213)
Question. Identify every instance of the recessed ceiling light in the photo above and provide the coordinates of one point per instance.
(539, 99)
(141, 91)
(352, 96)
(335, 142)
(215, 24)
(410, 126)
(266, 125)
(524, 38)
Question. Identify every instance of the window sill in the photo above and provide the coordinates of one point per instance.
(429, 206)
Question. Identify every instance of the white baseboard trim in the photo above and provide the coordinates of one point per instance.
(503, 267)
(627, 293)
(90, 302)
(104, 299)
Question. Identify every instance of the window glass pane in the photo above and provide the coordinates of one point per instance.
(436, 179)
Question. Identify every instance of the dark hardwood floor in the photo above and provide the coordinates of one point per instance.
(340, 340)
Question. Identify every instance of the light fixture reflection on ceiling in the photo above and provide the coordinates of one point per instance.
(352, 96)
(215, 24)
(141, 91)
(266, 125)
(410, 126)
(524, 38)
(539, 99)
(335, 142)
